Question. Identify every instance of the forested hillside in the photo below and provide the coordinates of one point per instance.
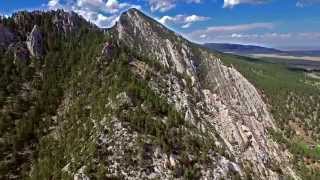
(138, 101)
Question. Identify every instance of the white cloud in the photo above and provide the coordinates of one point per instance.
(230, 33)
(91, 3)
(203, 36)
(165, 5)
(186, 25)
(105, 6)
(184, 20)
(303, 3)
(106, 20)
(273, 39)
(104, 13)
(195, 18)
(54, 4)
(112, 4)
(260, 36)
(4, 16)
(162, 6)
(232, 3)
(214, 30)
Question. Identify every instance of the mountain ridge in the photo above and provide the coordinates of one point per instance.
(254, 49)
(185, 59)
(241, 49)
(133, 102)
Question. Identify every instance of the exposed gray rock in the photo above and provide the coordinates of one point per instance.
(140, 68)
(225, 102)
(67, 22)
(80, 175)
(108, 51)
(217, 102)
(35, 43)
(173, 160)
(123, 100)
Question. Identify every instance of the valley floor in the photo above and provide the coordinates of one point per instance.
(308, 58)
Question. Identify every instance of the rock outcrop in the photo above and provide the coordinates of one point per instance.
(146, 104)
(35, 42)
(67, 22)
(217, 99)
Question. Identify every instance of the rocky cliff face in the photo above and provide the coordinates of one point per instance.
(35, 43)
(218, 100)
(151, 105)
(25, 38)
(68, 22)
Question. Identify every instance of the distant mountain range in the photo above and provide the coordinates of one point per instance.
(251, 49)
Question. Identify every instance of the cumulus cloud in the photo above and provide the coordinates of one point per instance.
(104, 13)
(162, 6)
(184, 20)
(54, 4)
(232, 3)
(165, 5)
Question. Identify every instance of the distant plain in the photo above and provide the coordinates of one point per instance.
(309, 58)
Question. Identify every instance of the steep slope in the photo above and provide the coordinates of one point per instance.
(293, 97)
(218, 98)
(137, 102)
(36, 59)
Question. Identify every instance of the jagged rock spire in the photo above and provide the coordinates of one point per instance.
(35, 43)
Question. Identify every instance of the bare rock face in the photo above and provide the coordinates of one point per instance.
(64, 21)
(67, 22)
(123, 100)
(108, 51)
(218, 100)
(221, 108)
(35, 43)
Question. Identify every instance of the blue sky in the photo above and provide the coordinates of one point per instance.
(285, 24)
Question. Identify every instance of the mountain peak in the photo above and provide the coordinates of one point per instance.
(148, 36)
(134, 10)
(151, 105)
(192, 75)
(64, 21)
(135, 17)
